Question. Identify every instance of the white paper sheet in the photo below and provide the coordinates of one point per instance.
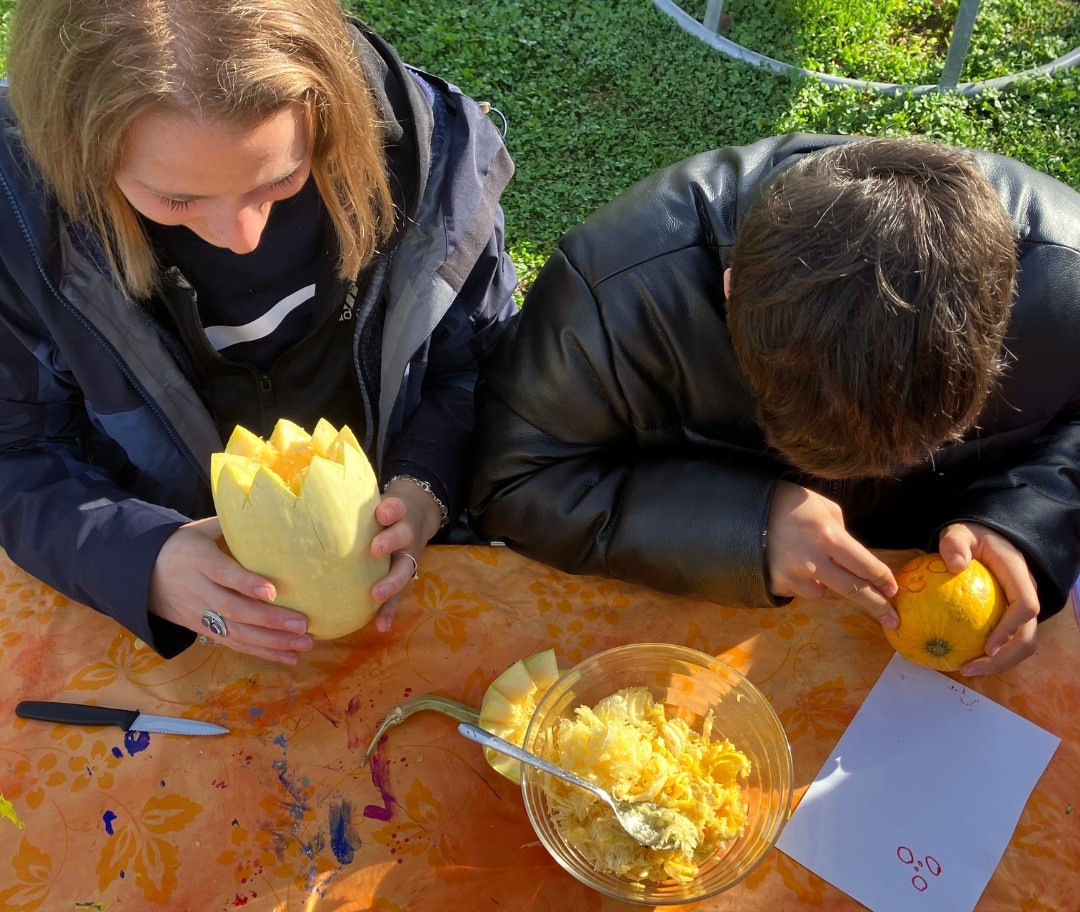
(918, 801)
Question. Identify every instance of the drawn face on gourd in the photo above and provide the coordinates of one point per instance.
(945, 617)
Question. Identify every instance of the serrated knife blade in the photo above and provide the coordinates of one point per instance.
(127, 719)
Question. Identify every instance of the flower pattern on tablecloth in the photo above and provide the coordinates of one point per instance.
(279, 814)
(146, 845)
(825, 709)
(33, 879)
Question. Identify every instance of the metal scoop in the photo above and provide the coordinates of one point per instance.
(650, 824)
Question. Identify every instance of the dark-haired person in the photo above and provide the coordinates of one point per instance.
(224, 212)
(756, 365)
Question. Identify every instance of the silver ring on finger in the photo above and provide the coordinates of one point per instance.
(215, 623)
(415, 565)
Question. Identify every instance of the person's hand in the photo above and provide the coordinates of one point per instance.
(808, 551)
(193, 574)
(411, 518)
(1014, 638)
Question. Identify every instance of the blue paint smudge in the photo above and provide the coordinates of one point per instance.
(117, 753)
(108, 817)
(280, 741)
(341, 833)
(298, 804)
(123, 874)
(136, 741)
(255, 711)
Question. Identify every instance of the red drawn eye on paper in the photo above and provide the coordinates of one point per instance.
(931, 865)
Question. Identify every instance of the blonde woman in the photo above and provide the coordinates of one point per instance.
(213, 213)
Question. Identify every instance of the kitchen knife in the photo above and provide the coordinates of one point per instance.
(127, 719)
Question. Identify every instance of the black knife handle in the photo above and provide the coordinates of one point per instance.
(76, 713)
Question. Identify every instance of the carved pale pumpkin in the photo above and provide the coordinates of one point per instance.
(509, 704)
(299, 509)
(945, 617)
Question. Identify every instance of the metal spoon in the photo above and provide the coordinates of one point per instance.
(647, 823)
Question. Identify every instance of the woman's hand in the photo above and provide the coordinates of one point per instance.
(808, 551)
(411, 518)
(194, 574)
(1014, 638)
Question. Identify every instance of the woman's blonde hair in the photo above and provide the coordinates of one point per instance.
(82, 72)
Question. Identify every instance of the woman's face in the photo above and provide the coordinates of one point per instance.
(215, 179)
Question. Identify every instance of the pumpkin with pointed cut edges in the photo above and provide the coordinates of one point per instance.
(945, 617)
(299, 509)
(509, 704)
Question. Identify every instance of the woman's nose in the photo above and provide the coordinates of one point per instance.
(240, 229)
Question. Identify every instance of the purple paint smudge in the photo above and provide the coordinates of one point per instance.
(108, 817)
(380, 778)
(116, 752)
(136, 741)
(342, 835)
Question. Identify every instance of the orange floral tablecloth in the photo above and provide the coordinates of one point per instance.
(280, 815)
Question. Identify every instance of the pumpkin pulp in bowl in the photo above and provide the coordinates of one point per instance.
(702, 714)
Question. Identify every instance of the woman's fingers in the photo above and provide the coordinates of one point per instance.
(385, 618)
(258, 636)
(286, 656)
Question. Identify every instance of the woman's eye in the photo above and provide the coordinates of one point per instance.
(284, 182)
(176, 205)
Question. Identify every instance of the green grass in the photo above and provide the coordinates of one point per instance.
(901, 41)
(600, 93)
(7, 10)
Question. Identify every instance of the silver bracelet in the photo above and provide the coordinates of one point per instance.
(444, 511)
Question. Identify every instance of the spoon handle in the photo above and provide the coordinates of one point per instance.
(477, 734)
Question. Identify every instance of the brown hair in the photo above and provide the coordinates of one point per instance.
(82, 71)
(870, 295)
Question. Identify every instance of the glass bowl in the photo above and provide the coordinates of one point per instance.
(689, 683)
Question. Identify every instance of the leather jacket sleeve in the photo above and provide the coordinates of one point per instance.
(562, 475)
(1034, 504)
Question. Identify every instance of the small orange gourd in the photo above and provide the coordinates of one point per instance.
(945, 617)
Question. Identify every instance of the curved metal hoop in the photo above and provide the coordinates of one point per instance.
(689, 24)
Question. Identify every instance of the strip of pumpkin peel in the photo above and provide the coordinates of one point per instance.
(399, 714)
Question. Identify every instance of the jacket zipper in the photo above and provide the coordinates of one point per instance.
(99, 336)
(266, 392)
(361, 315)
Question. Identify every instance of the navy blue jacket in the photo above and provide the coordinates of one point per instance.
(104, 443)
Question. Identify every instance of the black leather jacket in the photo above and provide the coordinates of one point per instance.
(617, 435)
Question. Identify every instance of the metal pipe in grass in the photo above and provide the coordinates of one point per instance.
(689, 24)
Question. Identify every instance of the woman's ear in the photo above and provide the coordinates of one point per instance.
(727, 282)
